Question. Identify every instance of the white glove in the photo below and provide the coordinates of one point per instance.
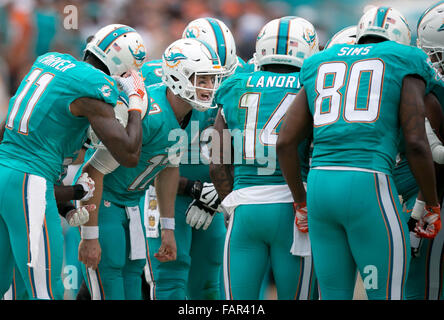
(198, 215)
(435, 144)
(88, 186)
(79, 216)
(134, 88)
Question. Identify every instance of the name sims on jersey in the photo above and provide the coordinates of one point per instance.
(347, 51)
(57, 63)
(273, 81)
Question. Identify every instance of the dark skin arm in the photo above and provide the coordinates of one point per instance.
(296, 126)
(221, 174)
(418, 154)
(435, 115)
(2, 130)
(123, 143)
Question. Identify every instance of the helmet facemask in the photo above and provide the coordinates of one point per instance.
(192, 70)
(201, 88)
(436, 57)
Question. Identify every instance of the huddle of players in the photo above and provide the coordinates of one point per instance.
(204, 82)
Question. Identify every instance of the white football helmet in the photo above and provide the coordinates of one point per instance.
(430, 34)
(119, 47)
(219, 37)
(288, 40)
(182, 62)
(345, 36)
(384, 22)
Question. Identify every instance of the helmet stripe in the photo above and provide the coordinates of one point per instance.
(220, 40)
(427, 11)
(381, 15)
(113, 35)
(283, 29)
(214, 56)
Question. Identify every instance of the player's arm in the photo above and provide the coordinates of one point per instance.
(123, 143)
(435, 117)
(418, 153)
(89, 247)
(296, 126)
(166, 184)
(434, 120)
(2, 129)
(220, 172)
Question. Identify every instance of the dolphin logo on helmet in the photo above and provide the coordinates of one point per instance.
(174, 58)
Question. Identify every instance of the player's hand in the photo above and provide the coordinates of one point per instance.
(206, 194)
(429, 225)
(300, 219)
(167, 251)
(198, 215)
(134, 88)
(90, 252)
(78, 216)
(88, 186)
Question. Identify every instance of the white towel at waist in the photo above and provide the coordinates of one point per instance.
(137, 238)
(269, 194)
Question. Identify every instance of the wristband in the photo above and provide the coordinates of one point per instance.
(79, 192)
(167, 223)
(89, 233)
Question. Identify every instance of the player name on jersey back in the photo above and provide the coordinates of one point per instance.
(267, 81)
(57, 62)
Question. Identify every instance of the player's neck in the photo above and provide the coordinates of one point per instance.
(180, 107)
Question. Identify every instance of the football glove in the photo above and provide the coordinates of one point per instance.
(429, 225)
(88, 186)
(206, 194)
(199, 215)
(134, 88)
(300, 219)
(79, 216)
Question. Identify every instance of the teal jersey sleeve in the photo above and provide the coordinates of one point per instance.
(353, 93)
(161, 137)
(42, 134)
(152, 72)
(253, 106)
(97, 85)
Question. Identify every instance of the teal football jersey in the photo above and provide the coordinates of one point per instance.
(353, 93)
(161, 131)
(246, 67)
(41, 133)
(253, 106)
(196, 156)
(152, 72)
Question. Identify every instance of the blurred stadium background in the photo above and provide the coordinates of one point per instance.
(29, 28)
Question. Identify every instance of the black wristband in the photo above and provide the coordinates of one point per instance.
(193, 188)
(64, 208)
(79, 193)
